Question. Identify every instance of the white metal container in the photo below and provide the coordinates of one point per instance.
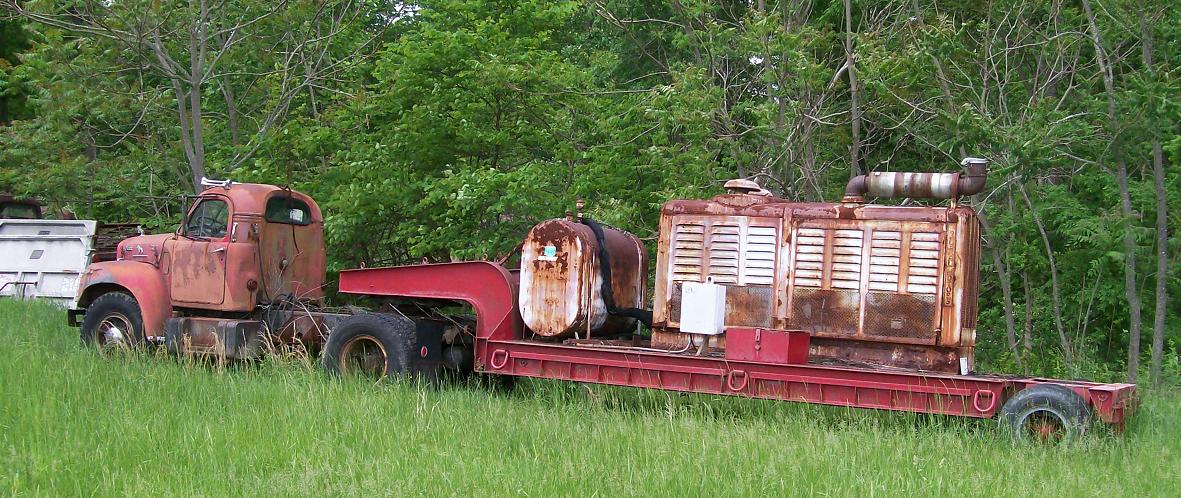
(703, 308)
(44, 258)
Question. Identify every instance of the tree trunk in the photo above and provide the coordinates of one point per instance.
(227, 92)
(1129, 238)
(196, 78)
(1027, 330)
(1007, 295)
(854, 95)
(186, 138)
(1027, 337)
(1055, 289)
(1162, 220)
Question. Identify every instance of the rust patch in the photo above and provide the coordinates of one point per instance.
(826, 313)
(937, 359)
(898, 317)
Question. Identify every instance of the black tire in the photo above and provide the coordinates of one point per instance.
(1046, 413)
(113, 322)
(370, 344)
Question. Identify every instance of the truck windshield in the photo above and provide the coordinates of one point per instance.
(209, 219)
(288, 210)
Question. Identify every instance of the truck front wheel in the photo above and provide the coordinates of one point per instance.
(370, 345)
(113, 322)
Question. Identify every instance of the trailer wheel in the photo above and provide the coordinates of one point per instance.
(369, 345)
(113, 323)
(1046, 413)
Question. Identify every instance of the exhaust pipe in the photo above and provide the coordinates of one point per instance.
(920, 185)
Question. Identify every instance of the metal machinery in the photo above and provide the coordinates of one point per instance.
(848, 303)
(885, 285)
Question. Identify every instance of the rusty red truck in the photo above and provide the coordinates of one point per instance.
(847, 303)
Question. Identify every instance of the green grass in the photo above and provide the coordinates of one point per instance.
(72, 423)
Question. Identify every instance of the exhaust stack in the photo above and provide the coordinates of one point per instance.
(920, 185)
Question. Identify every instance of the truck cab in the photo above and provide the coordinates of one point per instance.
(15, 208)
(241, 249)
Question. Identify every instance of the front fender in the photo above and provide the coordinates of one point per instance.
(145, 283)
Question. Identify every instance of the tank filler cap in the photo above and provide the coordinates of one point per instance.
(744, 186)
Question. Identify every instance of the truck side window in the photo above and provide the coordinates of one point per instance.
(288, 210)
(209, 219)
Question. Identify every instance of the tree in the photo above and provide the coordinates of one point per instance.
(187, 46)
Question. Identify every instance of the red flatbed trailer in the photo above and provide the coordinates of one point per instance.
(501, 348)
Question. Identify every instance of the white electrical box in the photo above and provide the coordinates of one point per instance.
(703, 308)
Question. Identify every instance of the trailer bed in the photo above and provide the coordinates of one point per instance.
(502, 349)
(978, 396)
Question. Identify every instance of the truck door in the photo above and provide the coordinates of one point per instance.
(198, 268)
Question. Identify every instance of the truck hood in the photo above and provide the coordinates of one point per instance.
(143, 248)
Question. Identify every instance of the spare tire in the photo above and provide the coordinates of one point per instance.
(371, 345)
(1046, 413)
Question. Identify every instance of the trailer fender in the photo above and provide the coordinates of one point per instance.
(143, 281)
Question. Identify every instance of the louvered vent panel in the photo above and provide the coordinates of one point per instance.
(846, 259)
(884, 258)
(724, 240)
(759, 258)
(686, 252)
(924, 263)
(809, 268)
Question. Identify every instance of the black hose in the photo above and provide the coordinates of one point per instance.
(644, 316)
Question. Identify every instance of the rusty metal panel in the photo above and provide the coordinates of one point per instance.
(897, 317)
(827, 312)
(971, 279)
(917, 357)
(293, 260)
(220, 338)
(198, 270)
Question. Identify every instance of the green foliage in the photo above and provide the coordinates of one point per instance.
(454, 128)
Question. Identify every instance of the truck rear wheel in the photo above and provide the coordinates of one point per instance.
(370, 345)
(1046, 413)
(113, 323)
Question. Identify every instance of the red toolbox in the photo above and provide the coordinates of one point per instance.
(789, 347)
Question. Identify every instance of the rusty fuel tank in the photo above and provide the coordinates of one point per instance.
(562, 279)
